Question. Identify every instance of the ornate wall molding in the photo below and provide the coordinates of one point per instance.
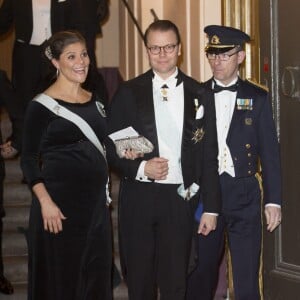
(243, 14)
(190, 16)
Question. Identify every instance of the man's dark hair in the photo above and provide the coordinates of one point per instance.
(162, 25)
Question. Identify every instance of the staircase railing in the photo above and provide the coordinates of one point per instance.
(135, 21)
(155, 17)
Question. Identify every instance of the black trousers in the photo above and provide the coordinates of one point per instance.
(2, 212)
(1, 258)
(29, 72)
(9, 100)
(241, 219)
(156, 227)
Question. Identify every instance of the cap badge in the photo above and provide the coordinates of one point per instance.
(100, 108)
(215, 40)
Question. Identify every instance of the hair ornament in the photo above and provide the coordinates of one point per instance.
(48, 53)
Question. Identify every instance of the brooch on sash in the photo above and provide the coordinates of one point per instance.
(56, 108)
(244, 104)
(100, 108)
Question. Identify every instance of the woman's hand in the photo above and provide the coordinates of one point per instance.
(52, 216)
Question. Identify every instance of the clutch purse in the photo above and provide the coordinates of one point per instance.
(139, 144)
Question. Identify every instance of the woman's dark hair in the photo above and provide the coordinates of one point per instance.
(59, 41)
(53, 49)
(161, 25)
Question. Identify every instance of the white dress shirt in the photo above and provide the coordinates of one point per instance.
(169, 125)
(41, 21)
(225, 103)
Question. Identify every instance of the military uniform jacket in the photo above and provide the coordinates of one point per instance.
(133, 106)
(252, 139)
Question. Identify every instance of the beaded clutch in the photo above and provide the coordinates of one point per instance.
(139, 144)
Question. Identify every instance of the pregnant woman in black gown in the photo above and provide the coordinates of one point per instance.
(70, 250)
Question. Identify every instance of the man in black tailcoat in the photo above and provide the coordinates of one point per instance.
(34, 22)
(159, 191)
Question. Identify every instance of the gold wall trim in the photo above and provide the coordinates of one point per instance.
(244, 15)
(189, 15)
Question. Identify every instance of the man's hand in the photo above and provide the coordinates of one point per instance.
(131, 154)
(273, 217)
(157, 168)
(207, 224)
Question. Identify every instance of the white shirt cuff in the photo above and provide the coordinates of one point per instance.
(273, 204)
(212, 214)
(140, 175)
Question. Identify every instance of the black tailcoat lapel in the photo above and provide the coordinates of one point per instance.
(189, 117)
(145, 107)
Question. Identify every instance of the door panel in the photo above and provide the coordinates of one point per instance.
(280, 70)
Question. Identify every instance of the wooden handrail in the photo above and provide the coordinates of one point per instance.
(135, 22)
(154, 14)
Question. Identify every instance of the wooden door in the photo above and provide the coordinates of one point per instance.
(280, 70)
(6, 46)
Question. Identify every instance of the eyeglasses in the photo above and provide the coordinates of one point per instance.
(221, 56)
(157, 49)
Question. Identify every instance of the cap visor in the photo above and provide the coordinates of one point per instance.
(219, 48)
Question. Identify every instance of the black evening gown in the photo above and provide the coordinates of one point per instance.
(75, 263)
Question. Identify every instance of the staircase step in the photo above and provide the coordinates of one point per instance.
(13, 171)
(16, 217)
(20, 292)
(16, 268)
(14, 244)
(16, 194)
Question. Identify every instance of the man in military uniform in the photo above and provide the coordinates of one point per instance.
(246, 135)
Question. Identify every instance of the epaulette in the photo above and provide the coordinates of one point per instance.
(263, 87)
